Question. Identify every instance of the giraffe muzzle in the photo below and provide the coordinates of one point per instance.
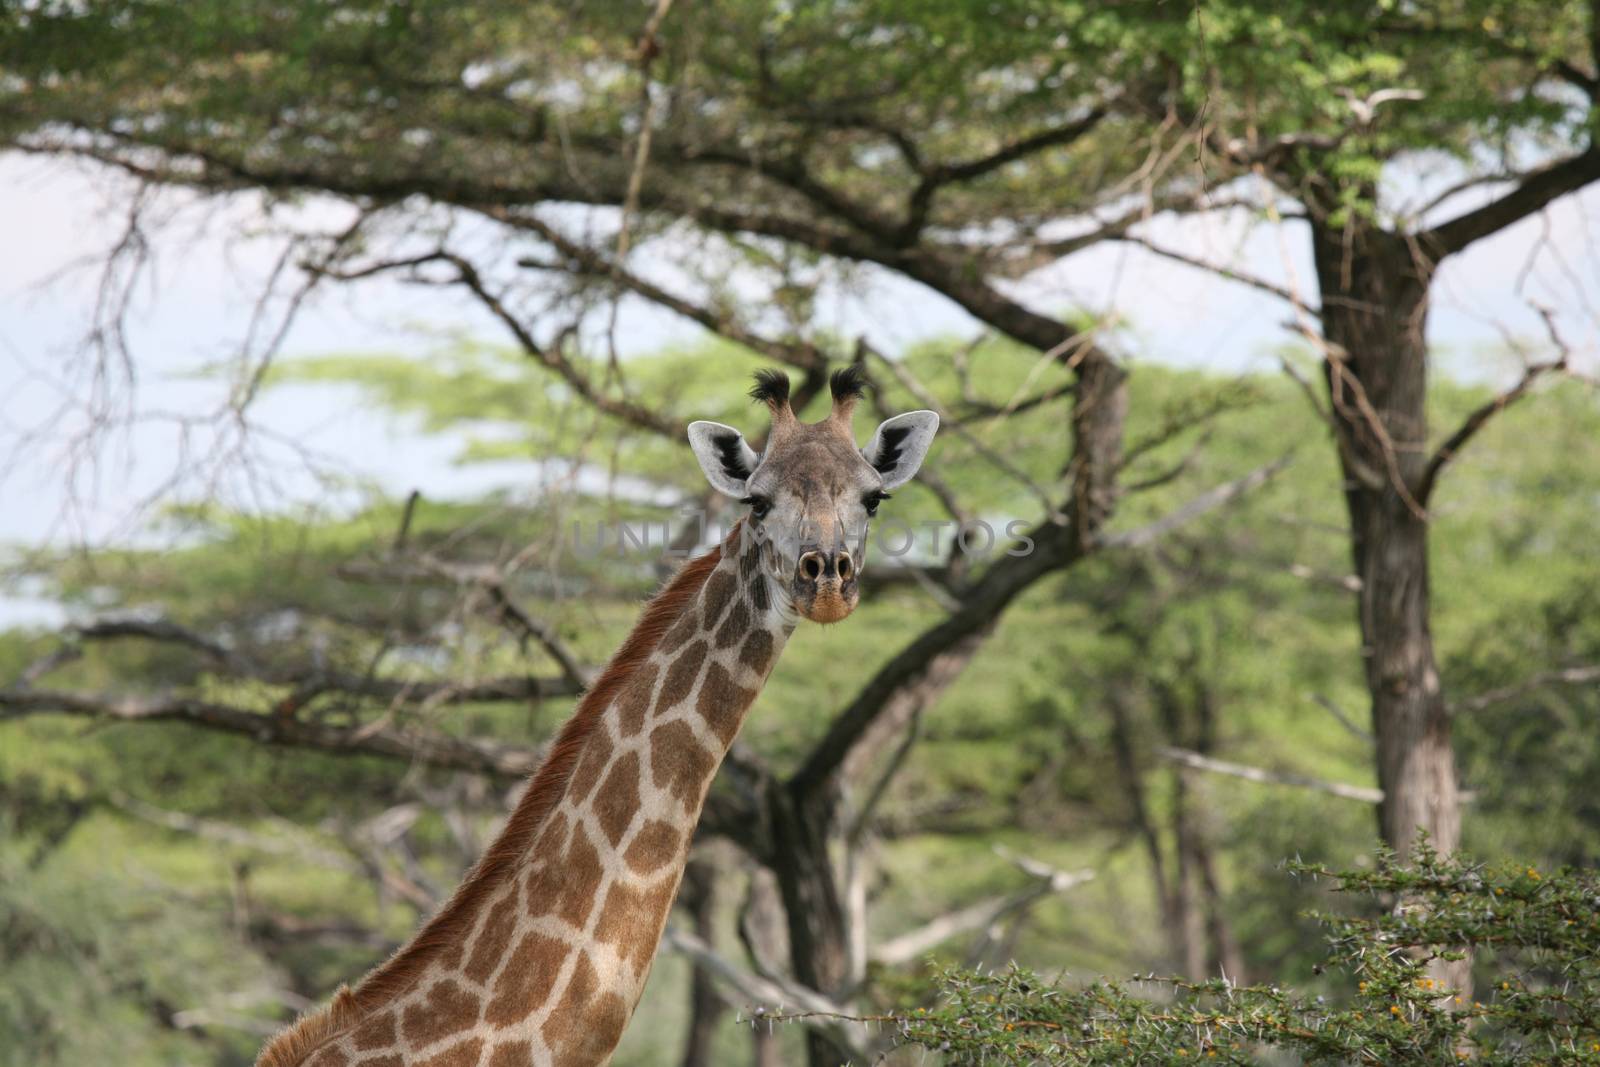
(824, 585)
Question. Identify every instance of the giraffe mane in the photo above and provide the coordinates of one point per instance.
(454, 920)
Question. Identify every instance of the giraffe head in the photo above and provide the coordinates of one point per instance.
(811, 492)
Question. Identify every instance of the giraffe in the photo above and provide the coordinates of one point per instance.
(541, 954)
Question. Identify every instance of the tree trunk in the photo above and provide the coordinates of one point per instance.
(1374, 300)
(819, 951)
(1374, 290)
(762, 928)
(698, 895)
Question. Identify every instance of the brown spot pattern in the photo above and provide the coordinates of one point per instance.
(682, 631)
(551, 840)
(596, 754)
(678, 761)
(719, 590)
(618, 799)
(653, 847)
(635, 700)
(757, 651)
(329, 1057)
(631, 920)
(462, 1055)
(588, 1022)
(450, 958)
(721, 703)
(567, 888)
(491, 943)
(512, 1054)
(449, 1008)
(681, 676)
(528, 977)
(392, 1060)
(377, 1032)
(736, 627)
(758, 593)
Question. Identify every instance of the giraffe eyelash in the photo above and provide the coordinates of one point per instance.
(759, 506)
(872, 500)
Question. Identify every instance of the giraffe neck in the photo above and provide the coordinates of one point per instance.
(543, 952)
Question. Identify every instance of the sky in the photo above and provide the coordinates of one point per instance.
(60, 219)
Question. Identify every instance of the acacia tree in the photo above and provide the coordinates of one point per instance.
(420, 116)
(945, 144)
(1316, 104)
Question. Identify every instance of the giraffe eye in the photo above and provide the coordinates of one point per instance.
(872, 500)
(759, 506)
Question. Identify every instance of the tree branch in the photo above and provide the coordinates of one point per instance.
(408, 745)
(1195, 760)
(550, 355)
(915, 944)
(1531, 194)
(803, 355)
(760, 992)
(1055, 547)
(1564, 676)
(1210, 500)
(1261, 284)
(936, 177)
(312, 679)
(1476, 421)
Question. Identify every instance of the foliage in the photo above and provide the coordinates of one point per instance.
(1021, 751)
(109, 966)
(450, 99)
(1537, 935)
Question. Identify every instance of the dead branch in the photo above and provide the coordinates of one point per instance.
(760, 992)
(301, 847)
(590, 261)
(551, 356)
(1564, 676)
(1342, 716)
(1477, 420)
(915, 944)
(1196, 761)
(310, 680)
(1210, 500)
(1259, 284)
(407, 744)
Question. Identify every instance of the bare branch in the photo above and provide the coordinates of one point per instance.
(760, 991)
(591, 261)
(468, 277)
(1531, 194)
(1344, 719)
(924, 396)
(1196, 761)
(1232, 275)
(228, 833)
(1564, 676)
(409, 745)
(936, 177)
(1210, 500)
(1477, 420)
(915, 944)
(312, 679)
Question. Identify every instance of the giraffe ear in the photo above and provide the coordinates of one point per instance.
(724, 455)
(899, 445)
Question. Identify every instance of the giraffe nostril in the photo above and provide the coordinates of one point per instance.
(844, 567)
(811, 567)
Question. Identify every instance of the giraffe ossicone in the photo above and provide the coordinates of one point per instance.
(540, 956)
